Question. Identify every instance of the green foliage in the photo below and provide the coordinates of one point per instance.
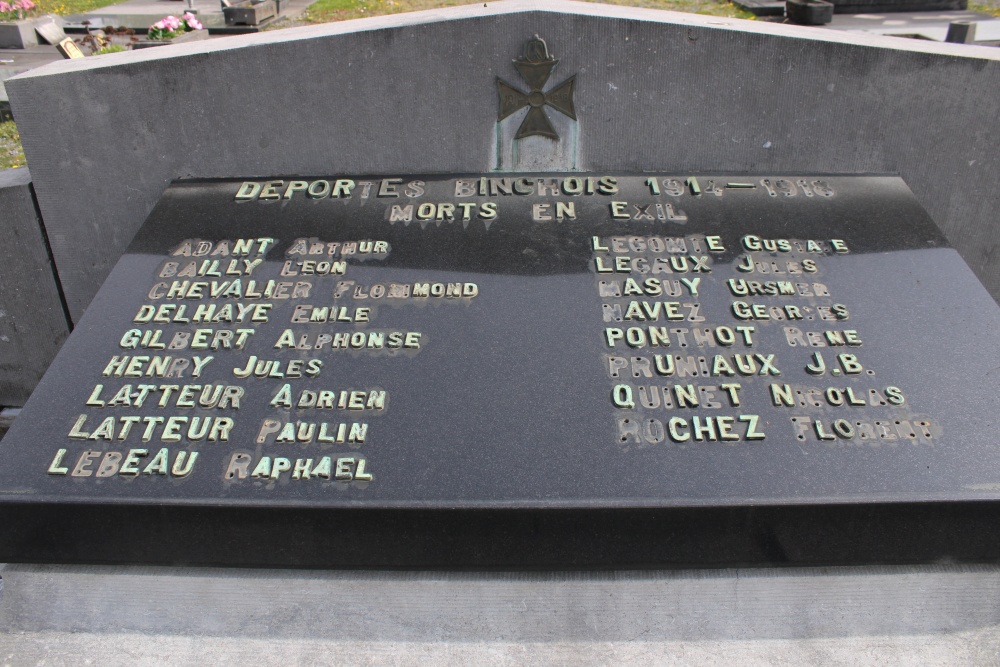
(110, 48)
(991, 8)
(11, 153)
(170, 26)
(17, 10)
(68, 7)
(709, 7)
(323, 11)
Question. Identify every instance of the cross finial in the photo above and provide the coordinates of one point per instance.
(535, 66)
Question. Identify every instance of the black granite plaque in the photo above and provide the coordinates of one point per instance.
(541, 370)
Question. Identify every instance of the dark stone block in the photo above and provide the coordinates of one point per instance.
(961, 32)
(24, 34)
(33, 323)
(809, 12)
(762, 7)
(877, 6)
(416, 389)
(250, 14)
(18, 34)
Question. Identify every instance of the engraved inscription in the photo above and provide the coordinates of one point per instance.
(273, 357)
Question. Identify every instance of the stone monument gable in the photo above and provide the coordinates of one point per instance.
(417, 93)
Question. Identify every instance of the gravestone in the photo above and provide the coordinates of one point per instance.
(536, 369)
(50, 29)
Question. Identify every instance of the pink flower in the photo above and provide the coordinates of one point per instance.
(27, 4)
(191, 21)
(159, 25)
(4, 7)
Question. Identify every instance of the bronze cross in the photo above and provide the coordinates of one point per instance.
(535, 67)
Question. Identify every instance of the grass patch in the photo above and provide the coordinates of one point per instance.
(11, 153)
(324, 11)
(68, 7)
(708, 7)
(991, 8)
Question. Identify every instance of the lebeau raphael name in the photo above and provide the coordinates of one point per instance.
(139, 462)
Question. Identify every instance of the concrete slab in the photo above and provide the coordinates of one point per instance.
(920, 25)
(931, 26)
(819, 616)
(16, 61)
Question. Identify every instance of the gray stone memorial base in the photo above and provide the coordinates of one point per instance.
(416, 93)
(32, 319)
(57, 615)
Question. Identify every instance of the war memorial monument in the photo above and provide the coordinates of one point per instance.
(550, 287)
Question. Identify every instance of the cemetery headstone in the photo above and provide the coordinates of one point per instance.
(68, 48)
(50, 29)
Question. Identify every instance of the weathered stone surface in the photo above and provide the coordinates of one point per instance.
(416, 93)
(943, 614)
(32, 319)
